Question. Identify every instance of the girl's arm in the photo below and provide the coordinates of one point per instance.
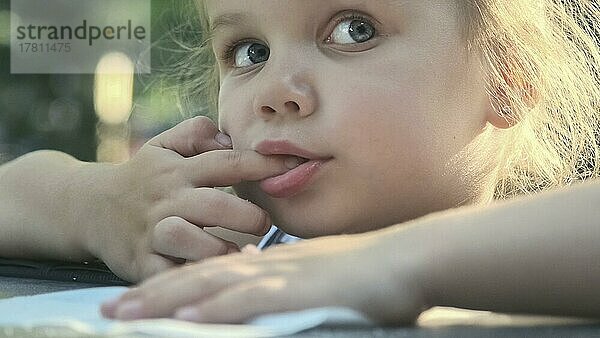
(538, 254)
(41, 216)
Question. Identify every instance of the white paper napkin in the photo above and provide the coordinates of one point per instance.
(78, 310)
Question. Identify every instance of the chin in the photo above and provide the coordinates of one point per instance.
(317, 224)
(306, 229)
(306, 216)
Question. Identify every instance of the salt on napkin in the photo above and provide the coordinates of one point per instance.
(79, 310)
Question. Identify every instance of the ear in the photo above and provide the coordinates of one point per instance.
(500, 112)
(503, 111)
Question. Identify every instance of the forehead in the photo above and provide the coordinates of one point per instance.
(213, 5)
(220, 11)
(280, 15)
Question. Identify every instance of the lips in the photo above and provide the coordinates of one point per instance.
(296, 180)
(287, 148)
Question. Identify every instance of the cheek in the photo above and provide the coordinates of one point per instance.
(399, 134)
(383, 120)
(235, 112)
(407, 109)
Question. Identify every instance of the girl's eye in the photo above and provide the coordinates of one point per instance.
(351, 31)
(248, 54)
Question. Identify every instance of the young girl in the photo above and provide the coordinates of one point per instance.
(397, 110)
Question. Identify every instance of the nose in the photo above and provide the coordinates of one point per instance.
(284, 96)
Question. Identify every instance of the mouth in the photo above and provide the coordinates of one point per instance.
(302, 160)
(297, 179)
(287, 148)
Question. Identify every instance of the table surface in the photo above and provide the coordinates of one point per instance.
(438, 322)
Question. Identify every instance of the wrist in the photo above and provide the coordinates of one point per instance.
(443, 241)
(413, 256)
(92, 193)
(400, 253)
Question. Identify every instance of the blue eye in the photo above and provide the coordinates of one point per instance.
(350, 31)
(249, 54)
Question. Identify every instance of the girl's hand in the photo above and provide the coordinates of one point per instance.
(151, 210)
(356, 271)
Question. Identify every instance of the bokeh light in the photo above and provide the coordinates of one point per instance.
(113, 88)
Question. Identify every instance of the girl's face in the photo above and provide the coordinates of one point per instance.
(382, 94)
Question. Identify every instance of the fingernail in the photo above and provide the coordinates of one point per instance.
(250, 249)
(188, 313)
(108, 308)
(292, 162)
(223, 139)
(129, 310)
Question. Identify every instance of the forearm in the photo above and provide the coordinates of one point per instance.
(42, 201)
(538, 254)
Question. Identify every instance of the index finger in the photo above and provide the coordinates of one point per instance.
(191, 137)
(222, 168)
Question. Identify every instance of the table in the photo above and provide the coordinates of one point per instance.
(439, 322)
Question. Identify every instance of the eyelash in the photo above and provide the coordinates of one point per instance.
(230, 47)
(352, 16)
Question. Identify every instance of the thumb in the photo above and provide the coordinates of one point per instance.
(192, 137)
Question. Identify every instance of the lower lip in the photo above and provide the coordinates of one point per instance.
(293, 181)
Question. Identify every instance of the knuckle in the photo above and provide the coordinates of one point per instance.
(148, 298)
(203, 125)
(209, 283)
(221, 248)
(164, 172)
(173, 176)
(160, 205)
(201, 122)
(257, 293)
(134, 293)
(235, 158)
(171, 230)
(217, 204)
(260, 219)
(212, 311)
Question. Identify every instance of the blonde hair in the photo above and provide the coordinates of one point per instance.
(541, 59)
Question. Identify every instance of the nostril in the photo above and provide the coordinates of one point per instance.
(267, 109)
(293, 106)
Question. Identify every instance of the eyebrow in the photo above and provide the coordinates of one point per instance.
(227, 20)
(236, 19)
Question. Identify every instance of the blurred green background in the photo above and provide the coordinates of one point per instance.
(57, 111)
